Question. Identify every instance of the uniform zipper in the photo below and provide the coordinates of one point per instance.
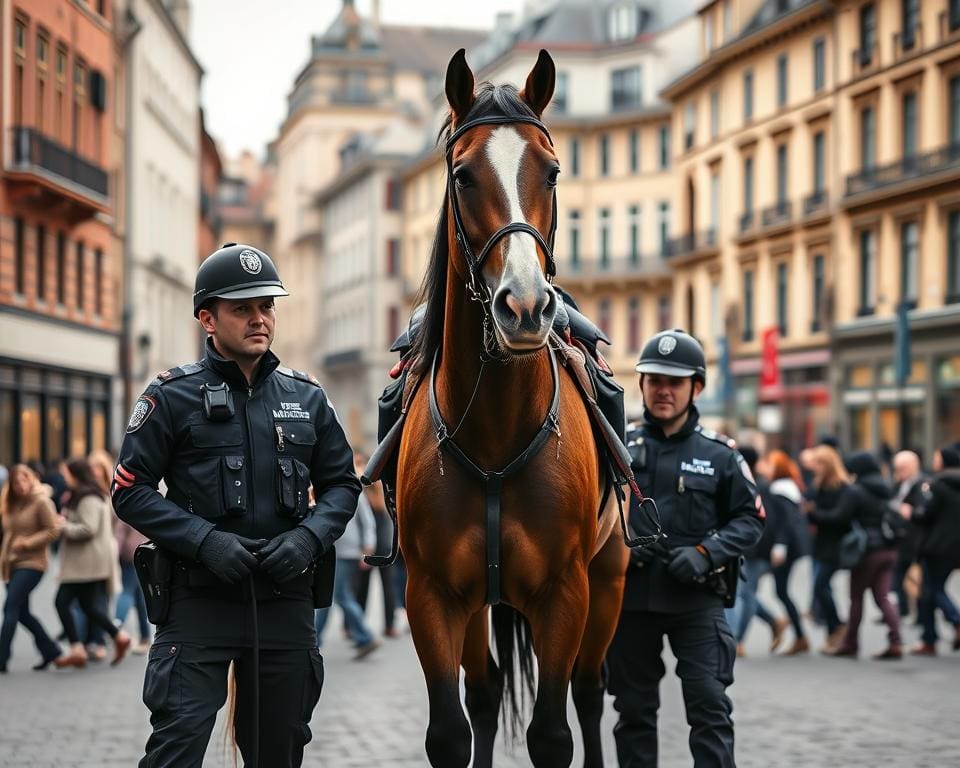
(680, 486)
(280, 446)
(251, 486)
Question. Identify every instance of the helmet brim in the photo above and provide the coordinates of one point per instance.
(665, 370)
(253, 292)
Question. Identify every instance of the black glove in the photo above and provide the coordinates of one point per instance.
(289, 554)
(688, 564)
(228, 556)
(642, 556)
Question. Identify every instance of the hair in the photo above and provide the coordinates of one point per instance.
(85, 482)
(950, 456)
(8, 497)
(490, 100)
(101, 465)
(834, 474)
(782, 466)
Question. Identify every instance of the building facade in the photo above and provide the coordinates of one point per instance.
(59, 267)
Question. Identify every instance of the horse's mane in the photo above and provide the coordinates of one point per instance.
(490, 100)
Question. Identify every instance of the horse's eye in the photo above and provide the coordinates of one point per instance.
(462, 177)
(552, 177)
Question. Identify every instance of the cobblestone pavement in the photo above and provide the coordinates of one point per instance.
(790, 712)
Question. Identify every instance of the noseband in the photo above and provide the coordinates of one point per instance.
(476, 286)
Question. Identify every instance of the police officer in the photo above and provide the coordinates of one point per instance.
(710, 515)
(238, 440)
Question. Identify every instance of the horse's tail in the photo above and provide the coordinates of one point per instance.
(514, 641)
(229, 724)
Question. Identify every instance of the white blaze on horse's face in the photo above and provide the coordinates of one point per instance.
(523, 302)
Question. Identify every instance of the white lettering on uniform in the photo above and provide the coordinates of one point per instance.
(699, 467)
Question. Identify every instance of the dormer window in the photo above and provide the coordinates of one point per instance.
(622, 21)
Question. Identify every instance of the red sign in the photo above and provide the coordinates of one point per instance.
(771, 388)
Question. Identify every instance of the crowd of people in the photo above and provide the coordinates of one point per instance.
(894, 526)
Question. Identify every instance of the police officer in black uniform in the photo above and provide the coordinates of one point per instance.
(238, 440)
(710, 515)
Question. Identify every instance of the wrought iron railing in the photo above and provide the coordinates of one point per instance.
(816, 202)
(905, 169)
(780, 213)
(34, 151)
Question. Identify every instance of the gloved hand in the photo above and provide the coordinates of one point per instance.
(289, 554)
(688, 564)
(641, 556)
(228, 556)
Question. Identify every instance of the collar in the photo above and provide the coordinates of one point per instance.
(693, 418)
(231, 371)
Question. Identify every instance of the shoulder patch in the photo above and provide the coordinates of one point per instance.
(299, 375)
(142, 410)
(165, 377)
(717, 437)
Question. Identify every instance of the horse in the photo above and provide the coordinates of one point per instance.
(499, 480)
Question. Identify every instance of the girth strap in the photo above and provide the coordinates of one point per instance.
(493, 480)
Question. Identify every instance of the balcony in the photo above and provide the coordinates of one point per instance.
(53, 171)
(625, 267)
(907, 42)
(747, 221)
(949, 22)
(946, 158)
(818, 202)
(344, 358)
(777, 215)
(864, 59)
(702, 243)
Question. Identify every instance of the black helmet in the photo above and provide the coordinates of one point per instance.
(673, 353)
(236, 272)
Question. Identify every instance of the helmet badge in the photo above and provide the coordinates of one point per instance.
(250, 262)
(667, 345)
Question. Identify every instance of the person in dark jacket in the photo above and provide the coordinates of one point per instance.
(938, 514)
(830, 483)
(866, 503)
(908, 479)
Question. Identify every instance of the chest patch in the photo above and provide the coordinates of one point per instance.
(141, 412)
(290, 411)
(698, 467)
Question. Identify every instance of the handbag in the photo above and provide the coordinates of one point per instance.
(853, 546)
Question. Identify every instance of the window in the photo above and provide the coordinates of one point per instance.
(953, 15)
(626, 88)
(574, 156)
(748, 305)
(819, 162)
(910, 18)
(664, 147)
(19, 255)
(663, 227)
(633, 235)
(954, 117)
(98, 283)
(909, 251)
(715, 203)
(43, 58)
(79, 93)
(782, 80)
(748, 184)
(748, 95)
(782, 298)
(716, 313)
(909, 127)
(633, 324)
(664, 313)
(41, 271)
(393, 257)
(868, 138)
(560, 92)
(603, 316)
(868, 34)
(604, 154)
(393, 323)
(689, 124)
(622, 21)
(819, 276)
(59, 115)
(953, 257)
(79, 275)
(603, 238)
(61, 268)
(727, 21)
(782, 172)
(20, 50)
(392, 195)
(868, 277)
(633, 141)
(819, 65)
(574, 228)
(714, 113)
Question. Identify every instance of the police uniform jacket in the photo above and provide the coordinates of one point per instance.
(249, 473)
(706, 495)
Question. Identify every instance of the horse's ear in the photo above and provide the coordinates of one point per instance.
(459, 85)
(540, 82)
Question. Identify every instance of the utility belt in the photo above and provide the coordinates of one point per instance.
(159, 573)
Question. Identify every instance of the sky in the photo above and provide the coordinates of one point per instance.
(251, 51)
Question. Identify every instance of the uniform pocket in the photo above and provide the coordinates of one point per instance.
(312, 686)
(293, 488)
(206, 487)
(295, 439)
(699, 503)
(161, 689)
(234, 485)
(214, 435)
(726, 652)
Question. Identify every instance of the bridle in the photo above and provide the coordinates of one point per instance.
(477, 288)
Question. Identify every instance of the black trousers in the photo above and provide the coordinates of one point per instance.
(185, 686)
(91, 595)
(705, 652)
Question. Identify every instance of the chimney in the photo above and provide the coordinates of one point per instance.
(180, 11)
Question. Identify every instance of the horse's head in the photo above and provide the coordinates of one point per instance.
(503, 175)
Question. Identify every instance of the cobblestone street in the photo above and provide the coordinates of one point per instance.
(790, 712)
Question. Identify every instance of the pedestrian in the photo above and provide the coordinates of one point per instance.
(786, 494)
(711, 515)
(131, 595)
(30, 525)
(358, 539)
(86, 561)
(830, 483)
(908, 479)
(938, 514)
(384, 543)
(239, 441)
(865, 503)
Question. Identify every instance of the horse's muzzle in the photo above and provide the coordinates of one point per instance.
(524, 318)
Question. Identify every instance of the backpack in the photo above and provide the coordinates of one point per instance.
(893, 527)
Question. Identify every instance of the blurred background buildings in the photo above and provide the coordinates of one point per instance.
(779, 177)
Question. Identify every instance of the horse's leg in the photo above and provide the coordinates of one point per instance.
(557, 618)
(484, 685)
(437, 623)
(607, 578)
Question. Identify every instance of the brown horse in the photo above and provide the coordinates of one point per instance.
(557, 567)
